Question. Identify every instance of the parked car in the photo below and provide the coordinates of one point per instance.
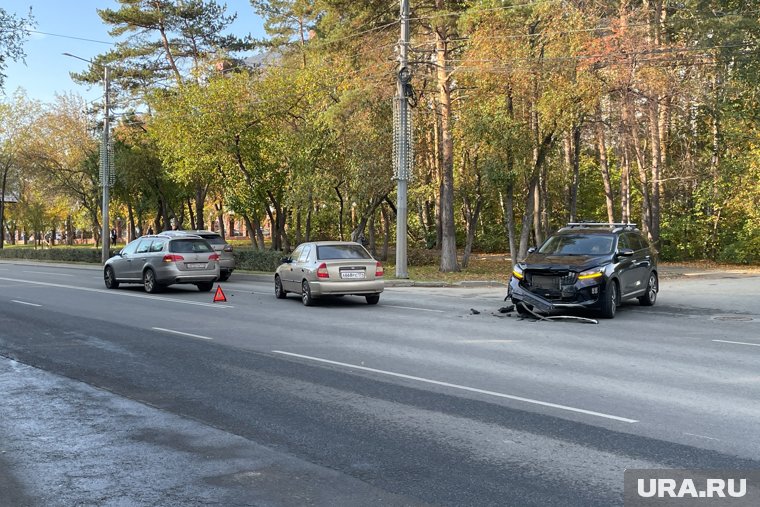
(329, 268)
(162, 259)
(220, 245)
(586, 265)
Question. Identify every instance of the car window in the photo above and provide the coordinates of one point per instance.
(190, 245)
(635, 241)
(214, 239)
(304, 254)
(577, 244)
(296, 253)
(157, 245)
(623, 242)
(144, 246)
(346, 251)
(130, 248)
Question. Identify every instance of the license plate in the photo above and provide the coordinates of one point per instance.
(352, 274)
(196, 265)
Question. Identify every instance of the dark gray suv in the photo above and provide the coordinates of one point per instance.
(586, 265)
(160, 260)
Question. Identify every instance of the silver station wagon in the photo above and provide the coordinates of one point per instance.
(161, 260)
(329, 268)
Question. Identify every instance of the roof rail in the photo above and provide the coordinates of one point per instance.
(601, 224)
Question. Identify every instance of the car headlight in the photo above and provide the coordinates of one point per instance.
(517, 272)
(591, 274)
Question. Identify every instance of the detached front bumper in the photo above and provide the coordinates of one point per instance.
(519, 293)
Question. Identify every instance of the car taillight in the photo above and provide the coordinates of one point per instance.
(227, 248)
(173, 258)
(379, 271)
(322, 271)
(213, 257)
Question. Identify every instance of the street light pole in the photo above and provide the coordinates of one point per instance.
(105, 169)
(105, 162)
(402, 145)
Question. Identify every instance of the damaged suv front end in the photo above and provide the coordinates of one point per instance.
(586, 266)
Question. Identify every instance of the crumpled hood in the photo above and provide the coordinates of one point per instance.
(577, 263)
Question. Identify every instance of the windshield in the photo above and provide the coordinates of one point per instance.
(347, 251)
(190, 246)
(578, 244)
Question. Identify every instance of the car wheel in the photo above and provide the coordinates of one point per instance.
(523, 309)
(224, 276)
(205, 286)
(650, 297)
(109, 277)
(372, 299)
(610, 300)
(306, 294)
(279, 292)
(150, 283)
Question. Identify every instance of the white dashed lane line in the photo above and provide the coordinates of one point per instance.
(738, 343)
(24, 302)
(461, 387)
(181, 333)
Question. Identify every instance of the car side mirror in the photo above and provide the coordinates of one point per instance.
(286, 260)
(625, 252)
(531, 249)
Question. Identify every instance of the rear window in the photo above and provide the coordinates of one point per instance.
(578, 244)
(214, 239)
(349, 251)
(195, 245)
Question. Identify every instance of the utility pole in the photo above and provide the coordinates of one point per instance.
(402, 144)
(105, 172)
(106, 160)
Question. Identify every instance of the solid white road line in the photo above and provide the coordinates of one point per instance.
(23, 302)
(738, 343)
(119, 293)
(181, 333)
(464, 388)
(412, 308)
(47, 273)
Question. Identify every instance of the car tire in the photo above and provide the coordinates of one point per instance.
(523, 309)
(372, 299)
(109, 277)
(279, 292)
(224, 276)
(610, 300)
(653, 287)
(306, 298)
(150, 283)
(205, 286)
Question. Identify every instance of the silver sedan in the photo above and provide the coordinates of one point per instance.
(329, 268)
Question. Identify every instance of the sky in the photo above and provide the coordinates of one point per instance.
(61, 26)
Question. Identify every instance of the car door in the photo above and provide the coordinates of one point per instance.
(140, 257)
(287, 275)
(625, 266)
(122, 263)
(302, 268)
(642, 261)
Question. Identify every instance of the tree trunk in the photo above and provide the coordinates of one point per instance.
(448, 228)
(386, 233)
(601, 146)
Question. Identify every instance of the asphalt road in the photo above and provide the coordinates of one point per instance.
(117, 397)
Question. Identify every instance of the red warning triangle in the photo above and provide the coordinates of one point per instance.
(219, 296)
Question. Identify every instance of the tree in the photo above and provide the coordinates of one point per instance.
(13, 31)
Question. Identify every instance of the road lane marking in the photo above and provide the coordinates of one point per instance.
(413, 308)
(738, 343)
(463, 388)
(119, 293)
(46, 273)
(489, 341)
(23, 302)
(181, 333)
(701, 436)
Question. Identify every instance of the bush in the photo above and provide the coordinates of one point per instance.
(257, 260)
(60, 254)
